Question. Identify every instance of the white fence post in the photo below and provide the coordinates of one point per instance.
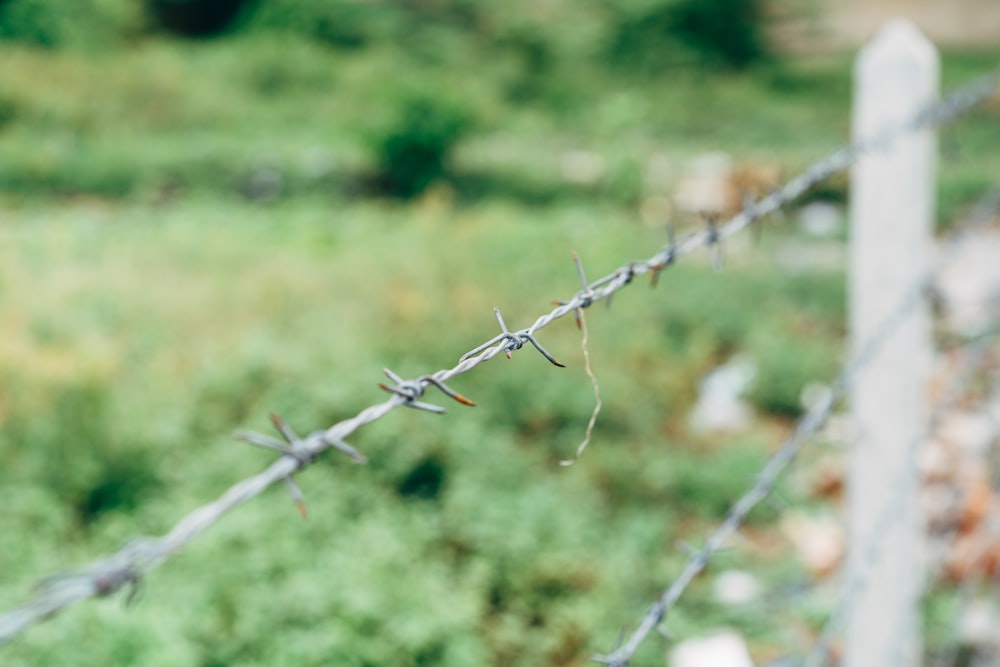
(892, 204)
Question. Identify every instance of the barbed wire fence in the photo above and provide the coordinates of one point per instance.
(125, 569)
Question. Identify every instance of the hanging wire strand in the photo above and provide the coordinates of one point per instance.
(125, 568)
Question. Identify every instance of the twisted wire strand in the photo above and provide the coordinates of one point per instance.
(126, 567)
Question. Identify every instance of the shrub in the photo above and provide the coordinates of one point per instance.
(413, 151)
(716, 33)
(196, 18)
(727, 32)
(339, 23)
(786, 366)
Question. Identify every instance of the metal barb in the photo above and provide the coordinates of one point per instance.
(296, 493)
(295, 447)
(585, 296)
(411, 390)
(295, 450)
(670, 255)
(448, 391)
(341, 446)
(713, 240)
(511, 342)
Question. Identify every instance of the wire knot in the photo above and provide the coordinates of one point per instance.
(511, 342)
(298, 449)
(411, 390)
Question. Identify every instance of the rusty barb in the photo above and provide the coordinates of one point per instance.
(411, 390)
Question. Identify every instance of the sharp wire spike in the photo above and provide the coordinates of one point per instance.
(283, 428)
(671, 255)
(620, 639)
(713, 242)
(411, 390)
(579, 270)
(342, 446)
(447, 390)
(654, 274)
(427, 407)
(134, 589)
(292, 447)
(503, 325)
(538, 346)
(260, 440)
(297, 497)
(586, 294)
(511, 342)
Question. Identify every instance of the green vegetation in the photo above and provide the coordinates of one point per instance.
(199, 232)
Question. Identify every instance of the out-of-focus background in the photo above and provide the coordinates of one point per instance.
(210, 210)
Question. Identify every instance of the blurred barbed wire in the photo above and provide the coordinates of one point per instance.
(983, 212)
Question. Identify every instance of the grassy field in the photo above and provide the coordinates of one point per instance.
(193, 236)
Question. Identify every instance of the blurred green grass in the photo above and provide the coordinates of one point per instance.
(136, 338)
(190, 243)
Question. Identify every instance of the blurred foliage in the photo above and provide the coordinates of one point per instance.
(659, 36)
(414, 151)
(136, 352)
(197, 234)
(195, 18)
(727, 32)
(346, 25)
(88, 24)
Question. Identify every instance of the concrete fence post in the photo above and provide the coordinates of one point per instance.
(892, 205)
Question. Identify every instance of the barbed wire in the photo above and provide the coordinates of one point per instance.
(814, 418)
(126, 567)
(805, 429)
(983, 212)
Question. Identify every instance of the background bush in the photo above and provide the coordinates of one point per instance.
(414, 150)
